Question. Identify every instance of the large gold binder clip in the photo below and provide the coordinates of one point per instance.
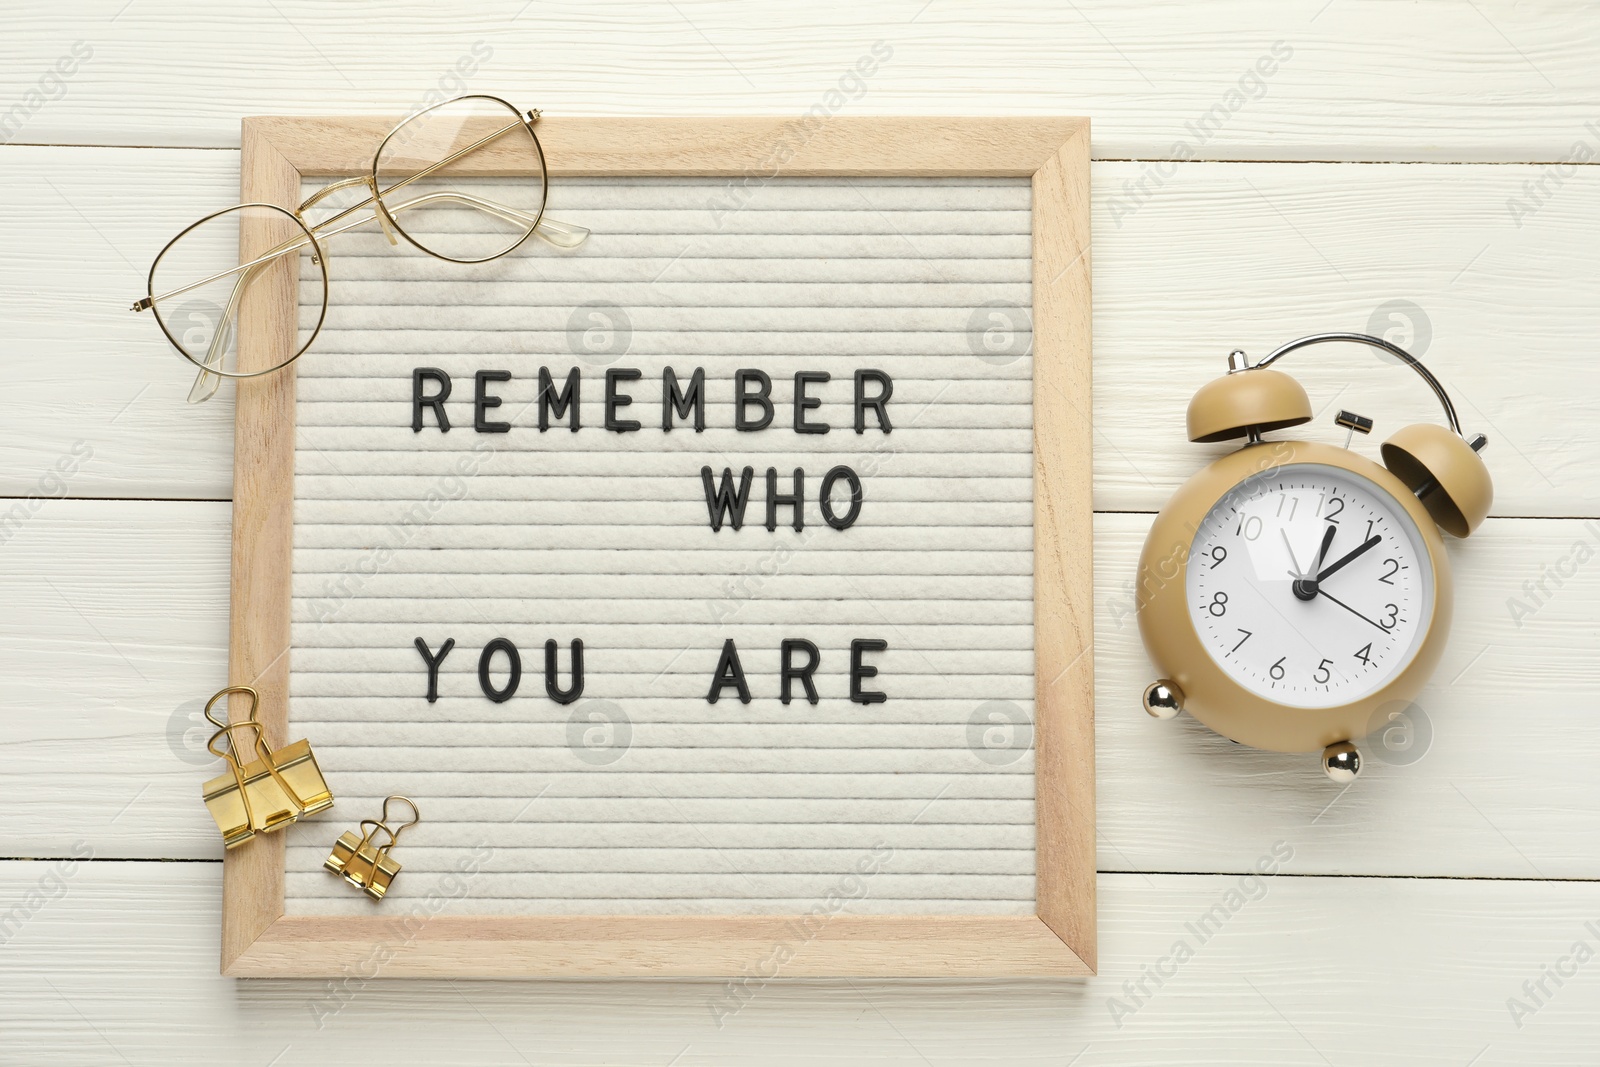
(266, 793)
(363, 859)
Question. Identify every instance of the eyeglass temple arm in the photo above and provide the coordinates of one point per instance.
(559, 234)
(205, 383)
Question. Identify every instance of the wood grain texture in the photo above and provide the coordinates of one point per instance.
(1295, 971)
(263, 530)
(263, 488)
(660, 946)
(1219, 256)
(761, 147)
(1362, 79)
(1063, 538)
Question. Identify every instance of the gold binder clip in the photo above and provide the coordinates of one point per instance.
(364, 862)
(266, 793)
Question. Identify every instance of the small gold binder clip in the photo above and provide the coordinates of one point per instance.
(365, 862)
(266, 793)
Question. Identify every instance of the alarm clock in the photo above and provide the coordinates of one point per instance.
(1292, 592)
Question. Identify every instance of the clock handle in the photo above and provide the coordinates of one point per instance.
(1376, 342)
(1442, 467)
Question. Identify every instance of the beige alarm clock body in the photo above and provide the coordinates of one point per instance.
(1292, 594)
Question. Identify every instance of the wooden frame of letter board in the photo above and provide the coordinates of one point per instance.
(259, 940)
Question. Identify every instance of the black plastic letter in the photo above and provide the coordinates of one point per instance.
(722, 501)
(825, 498)
(879, 403)
(616, 400)
(500, 696)
(482, 402)
(558, 404)
(556, 693)
(433, 663)
(789, 672)
(742, 398)
(859, 670)
(795, 500)
(729, 673)
(672, 399)
(436, 401)
(804, 403)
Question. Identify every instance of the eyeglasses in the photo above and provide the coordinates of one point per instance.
(418, 188)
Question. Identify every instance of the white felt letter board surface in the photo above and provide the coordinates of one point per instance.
(718, 589)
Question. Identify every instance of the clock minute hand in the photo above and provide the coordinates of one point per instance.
(1352, 610)
(1305, 587)
(1347, 557)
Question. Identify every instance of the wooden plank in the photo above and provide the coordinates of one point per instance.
(1219, 256)
(800, 147)
(1242, 79)
(1063, 536)
(127, 629)
(1371, 971)
(263, 528)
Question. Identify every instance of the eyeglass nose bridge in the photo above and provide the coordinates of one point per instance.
(348, 183)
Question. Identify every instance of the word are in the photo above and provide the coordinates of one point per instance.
(753, 404)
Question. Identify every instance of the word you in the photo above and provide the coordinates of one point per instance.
(729, 672)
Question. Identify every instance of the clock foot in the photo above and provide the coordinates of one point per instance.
(1163, 699)
(1341, 762)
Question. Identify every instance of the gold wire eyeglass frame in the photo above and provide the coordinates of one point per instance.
(384, 212)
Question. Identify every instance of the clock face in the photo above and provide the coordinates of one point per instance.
(1310, 586)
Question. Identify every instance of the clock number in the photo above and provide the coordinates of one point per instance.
(1276, 670)
(1394, 617)
(1294, 503)
(1250, 527)
(1242, 640)
(1322, 673)
(1218, 554)
(1218, 605)
(1336, 511)
(1369, 530)
(1364, 653)
(1394, 568)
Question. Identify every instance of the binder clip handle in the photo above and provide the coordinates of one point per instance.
(263, 749)
(394, 832)
(222, 724)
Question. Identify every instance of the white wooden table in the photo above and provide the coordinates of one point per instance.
(1437, 154)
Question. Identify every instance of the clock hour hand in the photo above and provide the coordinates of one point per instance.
(1305, 588)
(1348, 556)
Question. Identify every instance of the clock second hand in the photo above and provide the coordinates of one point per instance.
(1352, 610)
